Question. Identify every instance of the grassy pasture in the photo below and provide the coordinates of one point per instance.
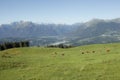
(91, 62)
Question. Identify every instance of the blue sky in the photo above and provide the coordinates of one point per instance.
(58, 11)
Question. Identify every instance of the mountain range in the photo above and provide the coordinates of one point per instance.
(93, 31)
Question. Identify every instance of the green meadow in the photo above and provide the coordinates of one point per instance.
(90, 62)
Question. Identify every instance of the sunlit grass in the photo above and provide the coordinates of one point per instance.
(36, 63)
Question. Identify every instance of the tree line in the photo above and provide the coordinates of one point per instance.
(8, 45)
(60, 46)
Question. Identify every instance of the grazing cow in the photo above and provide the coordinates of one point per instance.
(55, 52)
(108, 50)
(82, 52)
(93, 51)
(62, 54)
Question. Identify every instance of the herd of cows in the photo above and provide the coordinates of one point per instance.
(108, 50)
(85, 52)
(9, 45)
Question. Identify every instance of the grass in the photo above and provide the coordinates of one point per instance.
(37, 63)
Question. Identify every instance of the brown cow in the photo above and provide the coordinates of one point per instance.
(93, 51)
(82, 52)
(62, 54)
(55, 52)
(108, 50)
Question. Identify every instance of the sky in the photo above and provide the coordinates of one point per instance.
(58, 11)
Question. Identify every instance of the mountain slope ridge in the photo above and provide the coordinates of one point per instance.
(74, 33)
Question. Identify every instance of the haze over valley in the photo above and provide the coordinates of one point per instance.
(91, 32)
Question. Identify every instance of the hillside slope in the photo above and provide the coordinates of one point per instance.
(92, 62)
(98, 31)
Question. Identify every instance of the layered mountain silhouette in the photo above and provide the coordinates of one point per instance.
(29, 29)
(93, 31)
